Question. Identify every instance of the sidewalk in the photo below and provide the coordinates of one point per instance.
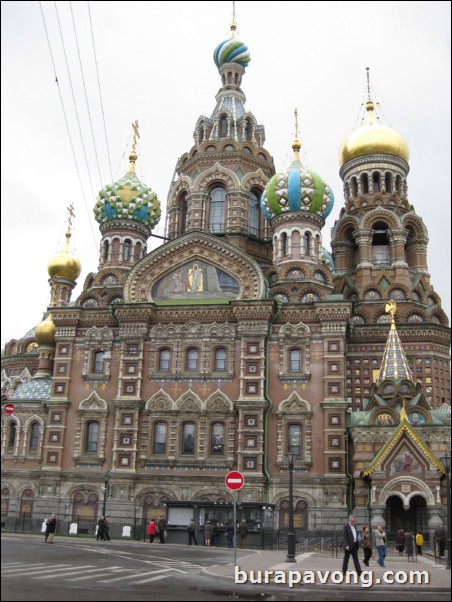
(439, 576)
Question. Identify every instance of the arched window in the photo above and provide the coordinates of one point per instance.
(216, 213)
(217, 439)
(294, 439)
(188, 439)
(284, 246)
(98, 364)
(12, 434)
(354, 188)
(381, 254)
(220, 360)
(365, 183)
(160, 430)
(223, 126)
(253, 214)
(165, 360)
(183, 214)
(376, 181)
(307, 243)
(34, 436)
(388, 183)
(106, 249)
(126, 250)
(398, 183)
(295, 360)
(192, 360)
(92, 437)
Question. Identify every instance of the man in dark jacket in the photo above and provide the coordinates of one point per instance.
(350, 543)
(161, 526)
(50, 528)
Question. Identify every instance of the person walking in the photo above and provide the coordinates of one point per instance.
(243, 532)
(230, 534)
(208, 534)
(440, 538)
(161, 526)
(50, 529)
(400, 541)
(100, 528)
(380, 542)
(350, 542)
(152, 529)
(408, 542)
(366, 542)
(419, 543)
(192, 533)
(214, 535)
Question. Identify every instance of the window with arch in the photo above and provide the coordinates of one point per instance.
(106, 249)
(192, 360)
(398, 185)
(12, 434)
(216, 213)
(188, 439)
(307, 243)
(381, 254)
(92, 437)
(376, 181)
(365, 183)
(294, 439)
(34, 436)
(220, 360)
(295, 360)
(224, 121)
(126, 250)
(164, 360)
(160, 434)
(354, 188)
(388, 183)
(98, 361)
(217, 439)
(183, 214)
(284, 244)
(253, 214)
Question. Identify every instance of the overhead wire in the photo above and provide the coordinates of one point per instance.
(65, 118)
(86, 95)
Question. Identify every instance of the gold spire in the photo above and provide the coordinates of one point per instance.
(233, 24)
(296, 143)
(133, 154)
(394, 364)
(65, 264)
(369, 105)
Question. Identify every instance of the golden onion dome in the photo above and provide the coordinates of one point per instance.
(373, 139)
(65, 264)
(45, 332)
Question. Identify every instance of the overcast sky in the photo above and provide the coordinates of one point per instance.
(155, 64)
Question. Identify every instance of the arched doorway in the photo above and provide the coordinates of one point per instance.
(398, 517)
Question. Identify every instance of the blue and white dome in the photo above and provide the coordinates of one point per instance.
(297, 189)
(232, 51)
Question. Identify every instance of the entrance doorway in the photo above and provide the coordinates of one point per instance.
(397, 517)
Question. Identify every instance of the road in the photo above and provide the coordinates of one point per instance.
(82, 569)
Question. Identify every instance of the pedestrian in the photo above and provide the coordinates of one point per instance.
(381, 542)
(366, 542)
(192, 533)
(440, 537)
(214, 534)
(408, 542)
(350, 542)
(399, 541)
(100, 528)
(152, 529)
(419, 543)
(230, 531)
(161, 526)
(50, 529)
(208, 534)
(243, 532)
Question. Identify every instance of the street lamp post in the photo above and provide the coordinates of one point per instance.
(291, 457)
(446, 461)
(106, 491)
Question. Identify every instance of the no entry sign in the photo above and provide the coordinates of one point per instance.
(234, 480)
(9, 408)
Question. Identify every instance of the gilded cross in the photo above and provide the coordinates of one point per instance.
(135, 135)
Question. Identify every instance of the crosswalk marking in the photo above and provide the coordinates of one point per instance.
(61, 572)
(153, 578)
(85, 576)
(24, 569)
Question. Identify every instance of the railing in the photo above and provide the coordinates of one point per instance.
(324, 543)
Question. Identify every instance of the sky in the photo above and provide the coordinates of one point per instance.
(154, 64)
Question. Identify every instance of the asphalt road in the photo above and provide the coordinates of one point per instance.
(82, 569)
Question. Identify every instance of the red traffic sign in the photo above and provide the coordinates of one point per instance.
(9, 408)
(234, 480)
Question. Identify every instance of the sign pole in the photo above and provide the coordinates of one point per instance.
(235, 528)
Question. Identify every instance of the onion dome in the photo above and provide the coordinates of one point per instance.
(326, 259)
(129, 199)
(45, 332)
(65, 264)
(297, 189)
(232, 51)
(372, 139)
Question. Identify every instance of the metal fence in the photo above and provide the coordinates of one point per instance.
(325, 543)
